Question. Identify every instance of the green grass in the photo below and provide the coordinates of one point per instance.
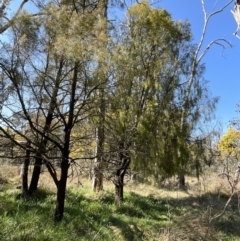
(93, 216)
(87, 217)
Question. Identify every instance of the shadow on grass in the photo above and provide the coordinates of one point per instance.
(127, 230)
(187, 218)
(194, 214)
(94, 217)
(138, 206)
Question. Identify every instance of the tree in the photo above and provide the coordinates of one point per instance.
(144, 81)
(51, 93)
(100, 131)
(139, 85)
(229, 143)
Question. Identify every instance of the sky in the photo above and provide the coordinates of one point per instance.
(222, 66)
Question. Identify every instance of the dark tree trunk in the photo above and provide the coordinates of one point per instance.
(43, 143)
(25, 171)
(62, 184)
(119, 181)
(36, 174)
(120, 173)
(181, 180)
(61, 191)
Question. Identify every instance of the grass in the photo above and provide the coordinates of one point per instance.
(148, 213)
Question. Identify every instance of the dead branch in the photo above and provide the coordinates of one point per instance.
(234, 191)
(198, 57)
(224, 209)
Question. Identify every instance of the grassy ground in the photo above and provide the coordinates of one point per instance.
(148, 213)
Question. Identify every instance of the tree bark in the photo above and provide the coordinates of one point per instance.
(62, 184)
(44, 141)
(98, 165)
(181, 180)
(119, 181)
(36, 174)
(97, 177)
(125, 161)
(25, 171)
(61, 191)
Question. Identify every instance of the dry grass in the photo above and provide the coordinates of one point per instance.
(197, 204)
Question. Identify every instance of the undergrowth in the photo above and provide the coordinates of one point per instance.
(93, 216)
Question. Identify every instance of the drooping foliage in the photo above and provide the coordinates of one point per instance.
(70, 73)
(154, 66)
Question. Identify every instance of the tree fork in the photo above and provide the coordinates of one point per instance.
(120, 173)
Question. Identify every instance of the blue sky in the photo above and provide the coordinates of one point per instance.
(222, 66)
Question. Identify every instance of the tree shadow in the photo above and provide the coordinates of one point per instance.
(196, 213)
(96, 216)
(129, 230)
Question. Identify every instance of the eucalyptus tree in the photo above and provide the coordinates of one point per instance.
(236, 15)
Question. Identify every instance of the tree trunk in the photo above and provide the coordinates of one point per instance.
(36, 174)
(181, 180)
(119, 181)
(61, 191)
(62, 183)
(125, 160)
(97, 177)
(48, 121)
(25, 171)
(98, 165)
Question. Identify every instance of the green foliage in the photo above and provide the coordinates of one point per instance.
(150, 63)
(67, 63)
(154, 23)
(75, 33)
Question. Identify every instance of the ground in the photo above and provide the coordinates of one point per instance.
(149, 212)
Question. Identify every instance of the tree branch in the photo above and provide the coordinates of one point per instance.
(11, 21)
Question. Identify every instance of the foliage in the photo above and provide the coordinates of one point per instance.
(72, 30)
(69, 70)
(146, 107)
(229, 143)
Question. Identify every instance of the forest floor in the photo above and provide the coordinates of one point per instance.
(148, 213)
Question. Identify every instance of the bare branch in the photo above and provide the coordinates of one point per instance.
(217, 42)
(220, 10)
(197, 59)
(234, 191)
(224, 209)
